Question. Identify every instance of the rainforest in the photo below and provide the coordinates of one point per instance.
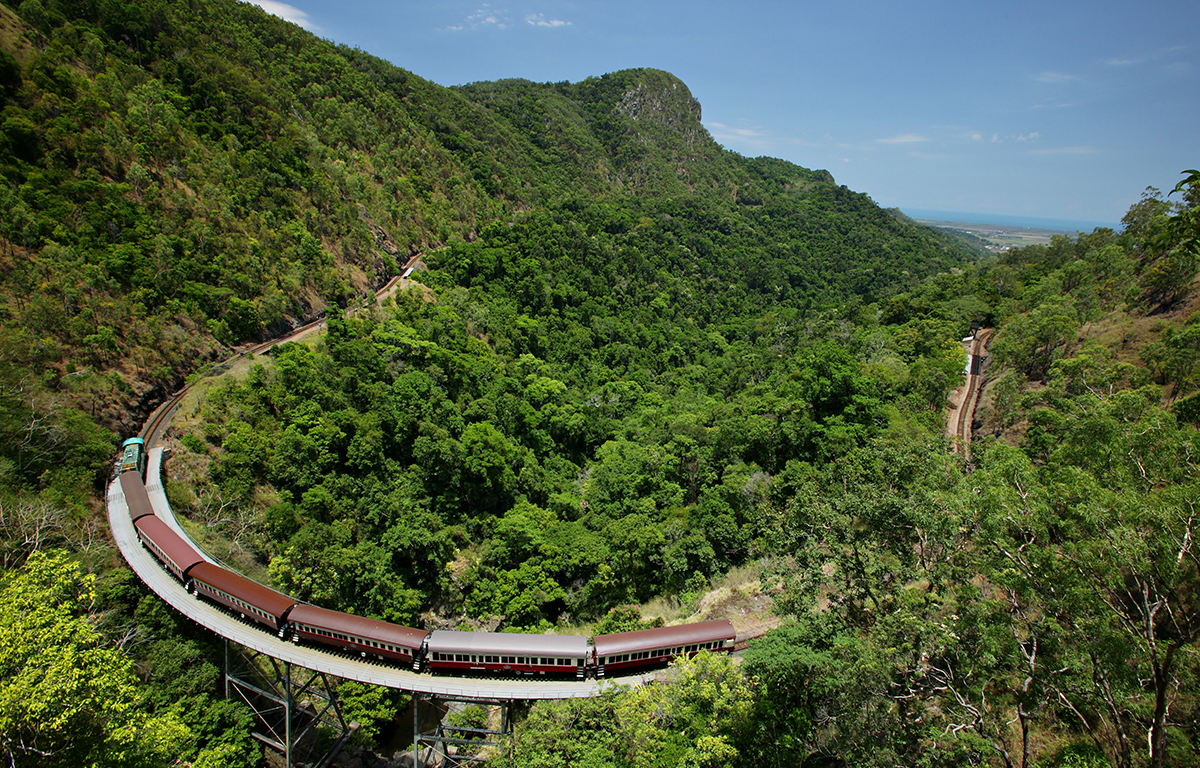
(631, 378)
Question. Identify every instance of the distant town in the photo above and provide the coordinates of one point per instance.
(999, 237)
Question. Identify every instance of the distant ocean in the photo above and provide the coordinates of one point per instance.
(1032, 222)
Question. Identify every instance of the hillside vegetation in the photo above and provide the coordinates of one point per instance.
(180, 177)
(638, 361)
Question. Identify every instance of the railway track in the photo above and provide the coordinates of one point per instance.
(341, 664)
(964, 415)
(160, 420)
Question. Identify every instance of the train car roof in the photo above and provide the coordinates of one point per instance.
(504, 643)
(359, 626)
(133, 441)
(663, 637)
(274, 603)
(136, 497)
(183, 554)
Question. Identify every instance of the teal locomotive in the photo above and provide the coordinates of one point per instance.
(132, 457)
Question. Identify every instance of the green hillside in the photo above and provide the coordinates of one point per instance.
(637, 363)
(183, 177)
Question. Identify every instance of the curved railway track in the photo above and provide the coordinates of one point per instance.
(315, 658)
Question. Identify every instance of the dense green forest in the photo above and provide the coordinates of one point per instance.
(638, 364)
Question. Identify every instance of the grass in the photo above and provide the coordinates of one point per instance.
(738, 595)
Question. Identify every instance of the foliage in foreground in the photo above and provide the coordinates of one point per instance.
(69, 697)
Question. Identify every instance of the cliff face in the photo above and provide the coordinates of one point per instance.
(668, 103)
(669, 106)
(659, 117)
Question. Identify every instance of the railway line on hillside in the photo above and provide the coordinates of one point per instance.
(342, 665)
(962, 418)
(314, 657)
(320, 655)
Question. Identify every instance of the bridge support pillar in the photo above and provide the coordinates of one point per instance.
(465, 739)
(290, 704)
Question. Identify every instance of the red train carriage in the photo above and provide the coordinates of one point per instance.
(136, 497)
(248, 598)
(506, 653)
(647, 647)
(175, 553)
(355, 633)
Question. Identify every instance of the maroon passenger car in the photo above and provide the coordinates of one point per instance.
(249, 598)
(647, 647)
(355, 633)
(136, 497)
(169, 547)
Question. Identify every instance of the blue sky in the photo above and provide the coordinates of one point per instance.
(1049, 109)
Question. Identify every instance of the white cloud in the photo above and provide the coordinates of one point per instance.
(756, 139)
(287, 13)
(728, 131)
(540, 20)
(1021, 137)
(1055, 77)
(484, 17)
(907, 138)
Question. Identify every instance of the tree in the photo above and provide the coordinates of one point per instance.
(66, 697)
(696, 720)
(10, 74)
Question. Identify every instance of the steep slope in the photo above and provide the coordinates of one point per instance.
(179, 177)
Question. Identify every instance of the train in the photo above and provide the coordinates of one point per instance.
(437, 651)
(132, 458)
